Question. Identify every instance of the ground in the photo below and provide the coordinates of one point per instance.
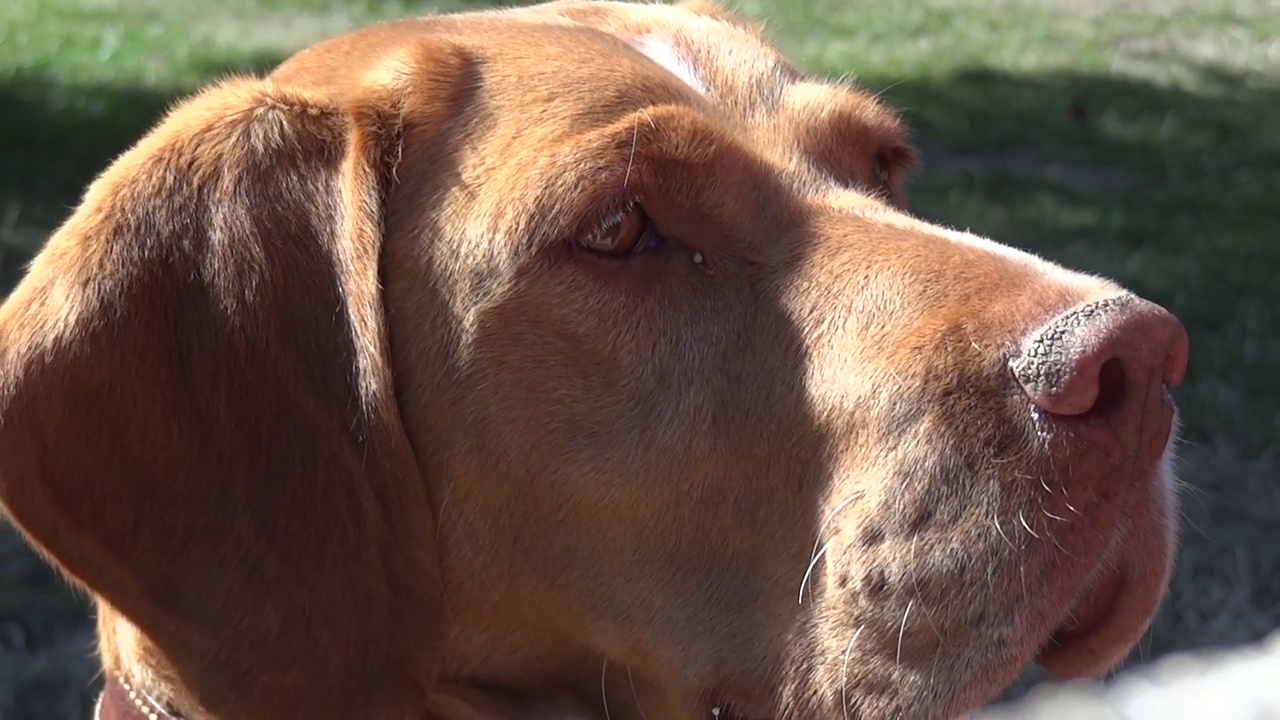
(1134, 138)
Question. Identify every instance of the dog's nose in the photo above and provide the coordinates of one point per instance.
(1101, 356)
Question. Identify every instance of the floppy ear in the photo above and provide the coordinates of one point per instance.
(198, 421)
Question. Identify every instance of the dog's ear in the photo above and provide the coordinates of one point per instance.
(198, 420)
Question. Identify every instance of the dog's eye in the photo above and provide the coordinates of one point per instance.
(881, 170)
(623, 234)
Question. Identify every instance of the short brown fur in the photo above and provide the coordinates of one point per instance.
(319, 396)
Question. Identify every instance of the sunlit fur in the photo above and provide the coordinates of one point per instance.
(319, 397)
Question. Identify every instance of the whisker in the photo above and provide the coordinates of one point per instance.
(604, 696)
(440, 513)
(635, 696)
(831, 515)
(822, 528)
(1059, 546)
(903, 630)
(844, 673)
(1023, 520)
(1055, 517)
(635, 136)
(812, 564)
(995, 517)
(879, 95)
(915, 585)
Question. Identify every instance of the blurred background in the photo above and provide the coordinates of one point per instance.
(1138, 139)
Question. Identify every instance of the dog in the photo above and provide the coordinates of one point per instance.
(581, 360)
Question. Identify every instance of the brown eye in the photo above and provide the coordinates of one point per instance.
(623, 234)
(881, 170)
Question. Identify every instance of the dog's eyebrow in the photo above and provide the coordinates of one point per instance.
(663, 51)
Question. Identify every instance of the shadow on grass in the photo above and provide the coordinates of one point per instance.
(1169, 190)
(56, 137)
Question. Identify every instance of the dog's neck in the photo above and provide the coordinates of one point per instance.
(121, 701)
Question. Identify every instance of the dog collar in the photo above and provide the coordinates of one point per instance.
(121, 701)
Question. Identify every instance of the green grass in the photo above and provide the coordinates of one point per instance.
(1137, 140)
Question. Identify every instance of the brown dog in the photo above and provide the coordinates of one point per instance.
(577, 361)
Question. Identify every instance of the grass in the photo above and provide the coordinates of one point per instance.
(1134, 139)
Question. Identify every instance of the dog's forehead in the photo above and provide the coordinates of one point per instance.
(730, 63)
(712, 52)
(664, 51)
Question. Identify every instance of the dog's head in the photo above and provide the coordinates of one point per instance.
(583, 354)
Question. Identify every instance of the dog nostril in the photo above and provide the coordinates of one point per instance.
(1094, 358)
(1111, 387)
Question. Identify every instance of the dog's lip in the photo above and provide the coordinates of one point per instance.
(1093, 611)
